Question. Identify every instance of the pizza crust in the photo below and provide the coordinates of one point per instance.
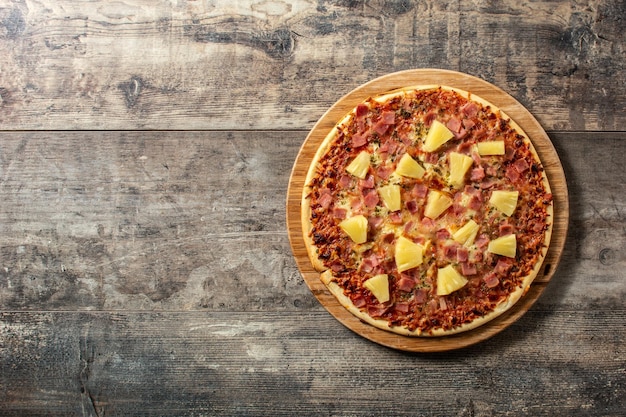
(326, 275)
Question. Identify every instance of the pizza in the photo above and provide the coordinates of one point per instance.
(427, 211)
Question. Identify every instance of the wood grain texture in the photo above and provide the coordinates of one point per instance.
(236, 364)
(150, 221)
(139, 64)
(121, 246)
(118, 220)
(497, 98)
(174, 341)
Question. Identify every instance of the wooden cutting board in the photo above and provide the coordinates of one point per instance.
(513, 109)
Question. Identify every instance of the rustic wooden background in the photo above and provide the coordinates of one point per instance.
(145, 153)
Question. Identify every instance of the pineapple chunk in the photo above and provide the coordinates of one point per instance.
(495, 147)
(436, 203)
(408, 167)
(449, 280)
(466, 234)
(390, 195)
(459, 164)
(356, 228)
(437, 135)
(505, 246)
(379, 287)
(408, 254)
(505, 201)
(359, 165)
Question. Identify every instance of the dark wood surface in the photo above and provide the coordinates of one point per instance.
(145, 153)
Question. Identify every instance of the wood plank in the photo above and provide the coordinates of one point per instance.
(140, 364)
(149, 220)
(144, 65)
(595, 246)
(146, 220)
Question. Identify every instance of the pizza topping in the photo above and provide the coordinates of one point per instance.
(345, 181)
(371, 198)
(455, 125)
(436, 204)
(466, 234)
(378, 285)
(468, 269)
(505, 228)
(449, 280)
(438, 134)
(470, 109)
(367, 182)
(504, 245)
(503, 266)
(491, 280)
(325, 200)
(408, 167)
(390, 195)
(505, 201)
(360, 165)
(359, 140)
(459, 164)
(491, 148)
(408, 254)
(478, 174)
(405, 283)
(356, 228)
(521, 165)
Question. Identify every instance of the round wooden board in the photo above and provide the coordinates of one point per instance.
(513, 109)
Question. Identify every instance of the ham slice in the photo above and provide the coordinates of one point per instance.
(443, 234)
(371, 198)
(470, 109)
(454, 124)
(361, 110)
(468, 269)
(388, 117)
(475, 203)
(380, 128)
(377, 311)
(375, 222)
(468, 124)
(359, 140)
(368, 182)
(402, 307)
(505, 228)
(359, 301)
(491, 280)
(419, 190)
(412, 206)
(384, 172)
(482, 241)
(406, 284)
(420, 295)
(340, 213)
(477, 174)
(450, 252)
(370, 263)
(462, 254)
(395, 217)
(429, 118)
(512, 174)
(345, 181)
(325, 200)
(503, 266)
(521, 165)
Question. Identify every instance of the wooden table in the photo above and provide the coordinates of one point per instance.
(145, 154)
